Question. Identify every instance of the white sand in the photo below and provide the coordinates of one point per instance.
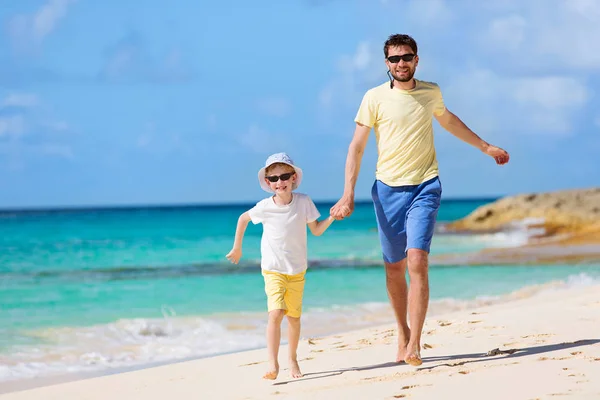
(556, 335)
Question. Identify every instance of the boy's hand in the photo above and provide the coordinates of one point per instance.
(343, 208)
(234, 255)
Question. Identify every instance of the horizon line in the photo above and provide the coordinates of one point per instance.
(140, 206)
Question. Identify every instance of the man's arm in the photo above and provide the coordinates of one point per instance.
(317, 228)
(455, 126)
(236, 253)
(345, 206)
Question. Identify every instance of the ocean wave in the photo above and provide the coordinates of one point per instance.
(142, 342)
(160, 272)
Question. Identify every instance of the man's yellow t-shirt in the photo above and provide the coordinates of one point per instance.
(403, 122)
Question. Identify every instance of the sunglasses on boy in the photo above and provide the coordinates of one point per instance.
(283, 177)
(404, 57)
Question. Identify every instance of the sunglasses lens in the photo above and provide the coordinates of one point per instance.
(283, 177)
(404, 57)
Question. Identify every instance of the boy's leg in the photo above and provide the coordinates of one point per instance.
(273, 340)
(275, 284)
(293, 301)
(293, 339)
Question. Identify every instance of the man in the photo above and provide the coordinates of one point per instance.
(407, 191)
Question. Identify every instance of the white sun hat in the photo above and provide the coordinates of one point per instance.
(278, 158)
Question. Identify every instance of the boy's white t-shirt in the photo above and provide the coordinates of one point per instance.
(283, 244)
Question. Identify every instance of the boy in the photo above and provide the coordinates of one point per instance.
(283, 251)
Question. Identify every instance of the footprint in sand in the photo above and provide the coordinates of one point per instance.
(316, 351)
(427, 346)
(474, 322)
(444, 323)
(252, 363)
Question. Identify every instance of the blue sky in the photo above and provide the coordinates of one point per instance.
(115, 103)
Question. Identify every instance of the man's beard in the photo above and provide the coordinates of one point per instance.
(406, 78)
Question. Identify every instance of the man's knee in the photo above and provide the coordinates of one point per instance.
(418, 261)
(395, 269)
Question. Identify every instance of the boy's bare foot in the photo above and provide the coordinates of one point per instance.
(295, 369)
(272, 372)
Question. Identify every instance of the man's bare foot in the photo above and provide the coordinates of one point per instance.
(295, 369)
(401, 355)
(413, 357)
(272, 372)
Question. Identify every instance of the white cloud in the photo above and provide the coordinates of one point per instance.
(508, 33)
(532, 104)
(52, 149)
(129, 60)
(20, 100)
(354, 73)
(12, 126)
(260, 141)
(275, 106)
(551, 93)
(34, 28)
(430, 12)
(557, 33)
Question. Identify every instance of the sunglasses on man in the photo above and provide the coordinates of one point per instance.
(283, 177)
(404, 57)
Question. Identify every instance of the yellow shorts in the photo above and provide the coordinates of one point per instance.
(284, 292)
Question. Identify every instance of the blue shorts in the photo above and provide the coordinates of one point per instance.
(406, 216)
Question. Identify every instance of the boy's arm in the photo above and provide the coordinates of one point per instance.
(318, 227)
(236, 253)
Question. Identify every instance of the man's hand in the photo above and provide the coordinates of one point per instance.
(343, 208)
(234, 255)
(498, 154)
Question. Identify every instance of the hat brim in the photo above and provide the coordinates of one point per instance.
(267, 188)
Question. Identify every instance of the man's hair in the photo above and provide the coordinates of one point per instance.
(399, 40)
(278, 164)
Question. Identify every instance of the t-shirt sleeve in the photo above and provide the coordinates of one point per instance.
(438, 101)
(312, 214)
(367, 112)
(257, 213)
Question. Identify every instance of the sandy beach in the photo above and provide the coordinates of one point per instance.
(538, 347)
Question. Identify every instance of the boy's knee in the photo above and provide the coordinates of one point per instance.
(293, 320)
(276, 315)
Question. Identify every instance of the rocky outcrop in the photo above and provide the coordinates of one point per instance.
(568, 216)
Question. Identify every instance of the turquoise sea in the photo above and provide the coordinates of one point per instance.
(94, 290)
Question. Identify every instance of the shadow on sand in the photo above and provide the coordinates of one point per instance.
(446, 360)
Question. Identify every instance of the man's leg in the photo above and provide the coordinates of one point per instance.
(420, 224)
(418, 300)
(395, 275)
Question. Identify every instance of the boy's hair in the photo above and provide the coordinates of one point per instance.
(399, 40)
(272, 166)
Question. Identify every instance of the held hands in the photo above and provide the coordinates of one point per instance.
(343, 208)
(234, 255)
(498, 154)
